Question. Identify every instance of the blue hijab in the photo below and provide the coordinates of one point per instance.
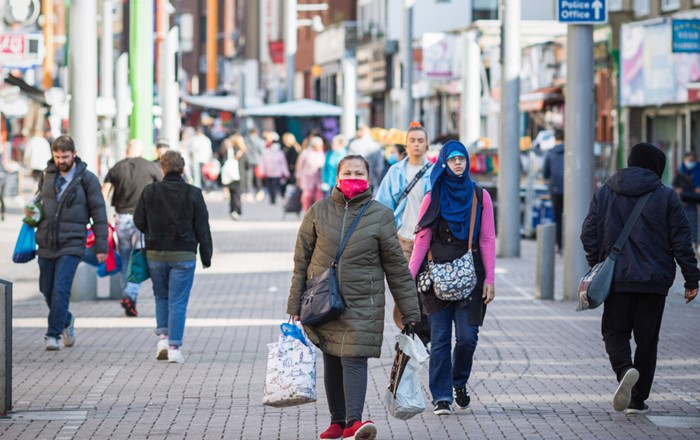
(451, 195)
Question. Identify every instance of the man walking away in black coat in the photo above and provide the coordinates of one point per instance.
(644, 271)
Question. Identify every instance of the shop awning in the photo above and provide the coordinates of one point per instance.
(535, 100)
(300, 108)
(226, 103)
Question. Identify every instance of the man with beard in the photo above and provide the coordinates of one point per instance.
(71, 196)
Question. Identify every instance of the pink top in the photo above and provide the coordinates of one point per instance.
(487, 240)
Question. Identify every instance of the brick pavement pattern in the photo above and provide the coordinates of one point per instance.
(540, 369)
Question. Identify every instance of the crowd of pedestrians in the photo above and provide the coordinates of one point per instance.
(414, 219)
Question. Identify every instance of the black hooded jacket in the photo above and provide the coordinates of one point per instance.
(661, 234)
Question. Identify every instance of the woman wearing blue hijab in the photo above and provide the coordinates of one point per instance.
(443, 229)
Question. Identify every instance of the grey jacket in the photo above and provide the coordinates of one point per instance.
(63, 229)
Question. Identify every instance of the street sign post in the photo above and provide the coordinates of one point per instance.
(582, 11)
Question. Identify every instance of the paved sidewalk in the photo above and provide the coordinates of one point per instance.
(540, 369)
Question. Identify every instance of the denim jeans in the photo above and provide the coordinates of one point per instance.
(55, 281)
(172, 283)
(446, 372)
(129, 238)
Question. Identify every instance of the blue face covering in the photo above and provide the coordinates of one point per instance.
(392, 159)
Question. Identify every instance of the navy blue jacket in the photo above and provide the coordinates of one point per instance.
(659, 239)
(554, 169)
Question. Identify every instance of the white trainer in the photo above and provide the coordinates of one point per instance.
(175, 356)
(162, 350)
(623, 393)
(51, 343)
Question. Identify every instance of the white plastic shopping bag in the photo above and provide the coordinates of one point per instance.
(404, 396)
(291, 369)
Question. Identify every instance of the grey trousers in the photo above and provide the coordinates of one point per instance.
(345, 379)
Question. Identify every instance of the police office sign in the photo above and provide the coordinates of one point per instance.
(582, 11)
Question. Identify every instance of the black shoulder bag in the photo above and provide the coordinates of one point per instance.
(321, 301)
(594, 287)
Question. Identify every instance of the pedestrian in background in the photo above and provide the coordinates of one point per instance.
(373, 252)
(333, 156)
(123, 184)
(403, 190)
(443, 229)
(644, 271)
(553, 170)
(71, 198)
(274, 167)
(308, 168)
(37, 153)
(173, 216)
(291, 149)
(162, 145)
(232, 171)
(254, 148)
(687, 185)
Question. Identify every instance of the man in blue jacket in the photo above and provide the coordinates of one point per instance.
(403, 189)
(553, 170)
(70, 197)
(644, 271)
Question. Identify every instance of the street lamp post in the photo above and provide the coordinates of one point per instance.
(291, 23)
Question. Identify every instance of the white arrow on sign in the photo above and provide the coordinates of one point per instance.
(597, 6)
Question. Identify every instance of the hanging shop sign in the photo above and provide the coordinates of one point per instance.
(686, 36)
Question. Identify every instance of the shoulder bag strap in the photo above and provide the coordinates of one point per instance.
(475, 201)
(624, 235)
(350, 231)
(413, 182)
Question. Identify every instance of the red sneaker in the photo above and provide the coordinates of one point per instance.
(334, 432)
(360, 431)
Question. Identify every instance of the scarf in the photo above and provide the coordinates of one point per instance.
(451, 195)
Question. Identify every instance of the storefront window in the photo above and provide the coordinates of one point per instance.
(641, 7)
(485, 10)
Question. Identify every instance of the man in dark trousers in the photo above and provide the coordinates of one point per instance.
(554, 172)
(70, 195)
(125, 182)
(645, 268)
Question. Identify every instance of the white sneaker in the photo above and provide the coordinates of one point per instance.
(623, 393)
(175, 357)
(69, 333)
(51, 343)
(162, 350)
(260, 195)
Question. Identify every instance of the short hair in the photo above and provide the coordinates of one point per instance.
(162, 143)
(172, 162)
(316, 140)
(353, 157)
(559, 134)
(690, 154)
(63, 143)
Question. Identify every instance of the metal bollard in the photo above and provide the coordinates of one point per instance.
(5, 347)
(84, 283)
(546, 239)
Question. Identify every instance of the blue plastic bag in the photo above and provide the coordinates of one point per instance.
(102, 267)
(25, 249)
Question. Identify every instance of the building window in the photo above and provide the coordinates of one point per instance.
(641, 7)
(670, 5)
(614, 5)
(485, 10)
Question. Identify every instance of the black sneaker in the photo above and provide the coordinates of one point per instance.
(442, 409)
(129, 306)
(462, 398)
(637, 408)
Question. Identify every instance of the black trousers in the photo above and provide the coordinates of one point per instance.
(558, 208)
(234, 189)
(638, 314)
(273, 185)
(345, 379)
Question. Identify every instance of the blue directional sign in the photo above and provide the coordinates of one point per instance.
(686, 36)
(582, 11)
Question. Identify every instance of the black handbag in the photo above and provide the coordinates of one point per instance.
(321, 301)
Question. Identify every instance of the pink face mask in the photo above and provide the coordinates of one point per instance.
(352, 187)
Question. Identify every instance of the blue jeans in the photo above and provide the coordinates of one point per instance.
(172, 283)
(129, 238)
(448, 371)
(55, 281)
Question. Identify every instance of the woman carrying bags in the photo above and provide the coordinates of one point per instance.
(443, 233)
(372, 252)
